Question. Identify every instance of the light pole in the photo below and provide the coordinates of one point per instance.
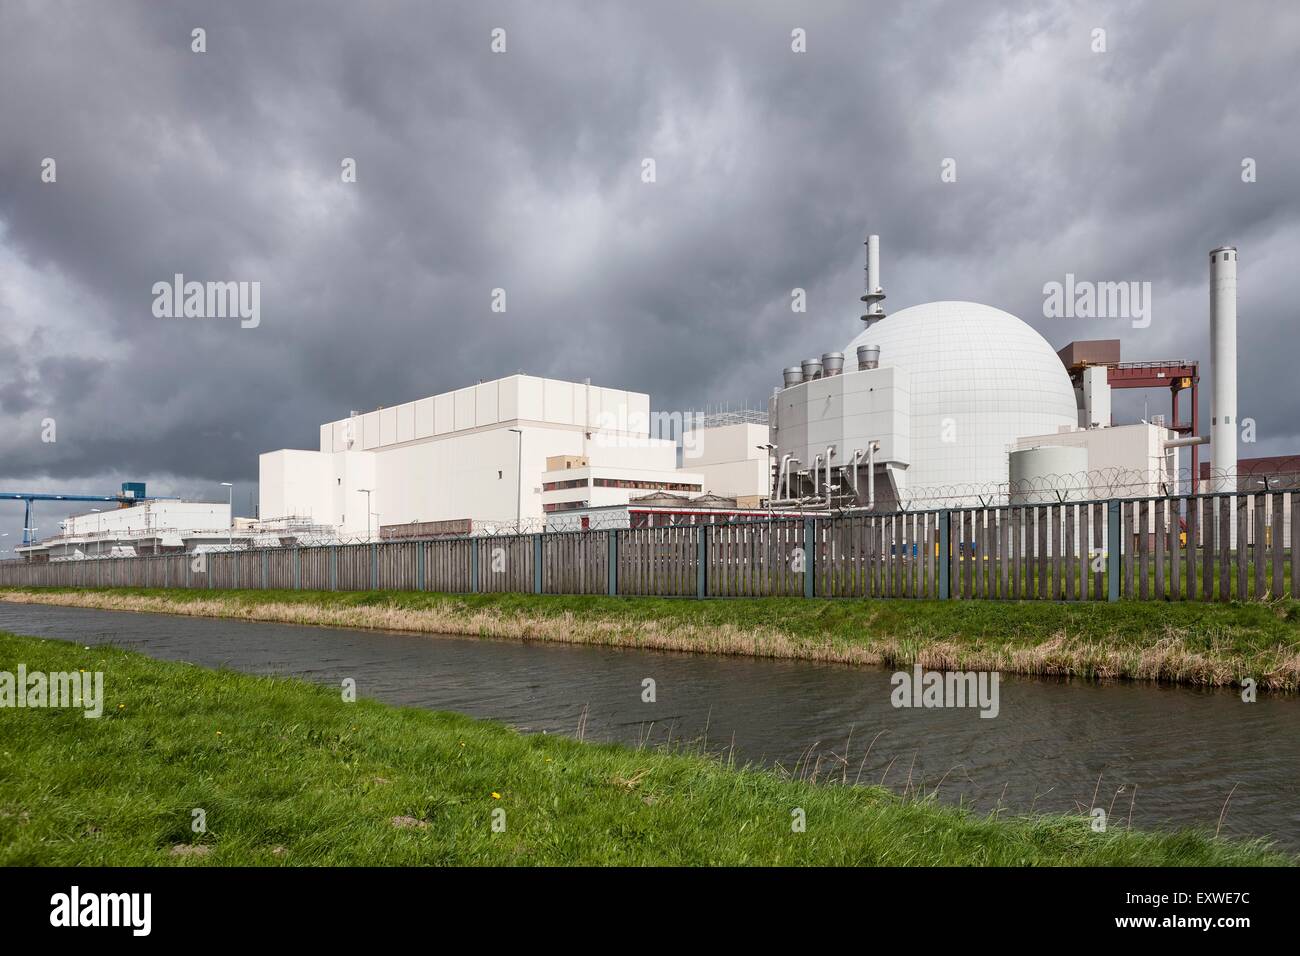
(769, 448)
(519, 482)
(366, 491)
(230, 505)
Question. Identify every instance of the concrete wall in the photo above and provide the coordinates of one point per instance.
(729, 458)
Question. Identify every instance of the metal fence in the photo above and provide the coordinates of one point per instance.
(1193, 547)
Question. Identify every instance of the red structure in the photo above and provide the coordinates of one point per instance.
(1173, 375)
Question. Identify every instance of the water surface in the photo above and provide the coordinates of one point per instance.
(1176, 752)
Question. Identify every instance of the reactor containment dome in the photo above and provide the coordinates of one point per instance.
(980, 379)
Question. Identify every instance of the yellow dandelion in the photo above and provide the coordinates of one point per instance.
(495, 795)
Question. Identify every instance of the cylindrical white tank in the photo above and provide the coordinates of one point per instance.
(1223, 363)
(1045, 474)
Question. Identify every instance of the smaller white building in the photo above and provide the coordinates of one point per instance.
(152, 527)
(572, 483)
(732, 461)
(1123, 461)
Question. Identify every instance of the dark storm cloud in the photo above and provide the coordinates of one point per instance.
(522, 171)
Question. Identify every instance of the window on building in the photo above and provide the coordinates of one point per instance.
(561, 485)
(640, 485)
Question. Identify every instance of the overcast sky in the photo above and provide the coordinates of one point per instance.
(523, 170)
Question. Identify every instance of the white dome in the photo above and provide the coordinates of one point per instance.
(980, 379)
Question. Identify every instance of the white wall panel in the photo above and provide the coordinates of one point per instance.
(532, 400)
(370, 431)
(485, 404)
(444, 413)
(559, 402)
(387, 426)
(406, 422)
(464, 399)
(424, 418)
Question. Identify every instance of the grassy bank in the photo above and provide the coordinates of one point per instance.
(1191, 643)
(288, 773)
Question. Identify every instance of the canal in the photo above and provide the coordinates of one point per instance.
(1168, 756)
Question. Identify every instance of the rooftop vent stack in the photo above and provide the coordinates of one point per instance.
(812, 370)
(832, 364)
(1223, 356)
(874, 294)
(868, 357)
(793, 375)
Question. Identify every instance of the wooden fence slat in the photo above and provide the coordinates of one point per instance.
(1277, 586)
(1243, 544)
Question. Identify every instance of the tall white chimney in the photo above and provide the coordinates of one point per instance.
(874, 294)
(1223, 360)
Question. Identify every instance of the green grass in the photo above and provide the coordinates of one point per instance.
(288, 773)
(1215, 644)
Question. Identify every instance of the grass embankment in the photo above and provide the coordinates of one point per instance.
(1189, 643)
(288, 773)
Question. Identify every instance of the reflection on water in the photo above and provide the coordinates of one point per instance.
(1182, 749)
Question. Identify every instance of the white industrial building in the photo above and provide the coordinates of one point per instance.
(949, 403)
(478, 453)
(732, 460)
(154, 526)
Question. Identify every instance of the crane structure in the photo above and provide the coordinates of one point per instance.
(1176, 375)
(132, 493)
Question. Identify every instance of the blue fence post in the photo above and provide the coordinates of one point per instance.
(945, 562)
(537, 564)
(702, 560)
(419, 566)
(613, 561)
(297, 568)
(1114, 544)
(334, 567)
(266, 570)
(374, 566)
(473, 565)
(809, 558)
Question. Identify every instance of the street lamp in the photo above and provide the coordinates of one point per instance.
(230, 505)
(519, 482)
(366, 492)
(768, 447)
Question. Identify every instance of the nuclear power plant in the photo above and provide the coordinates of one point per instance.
(938, 404)
(948, 403)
